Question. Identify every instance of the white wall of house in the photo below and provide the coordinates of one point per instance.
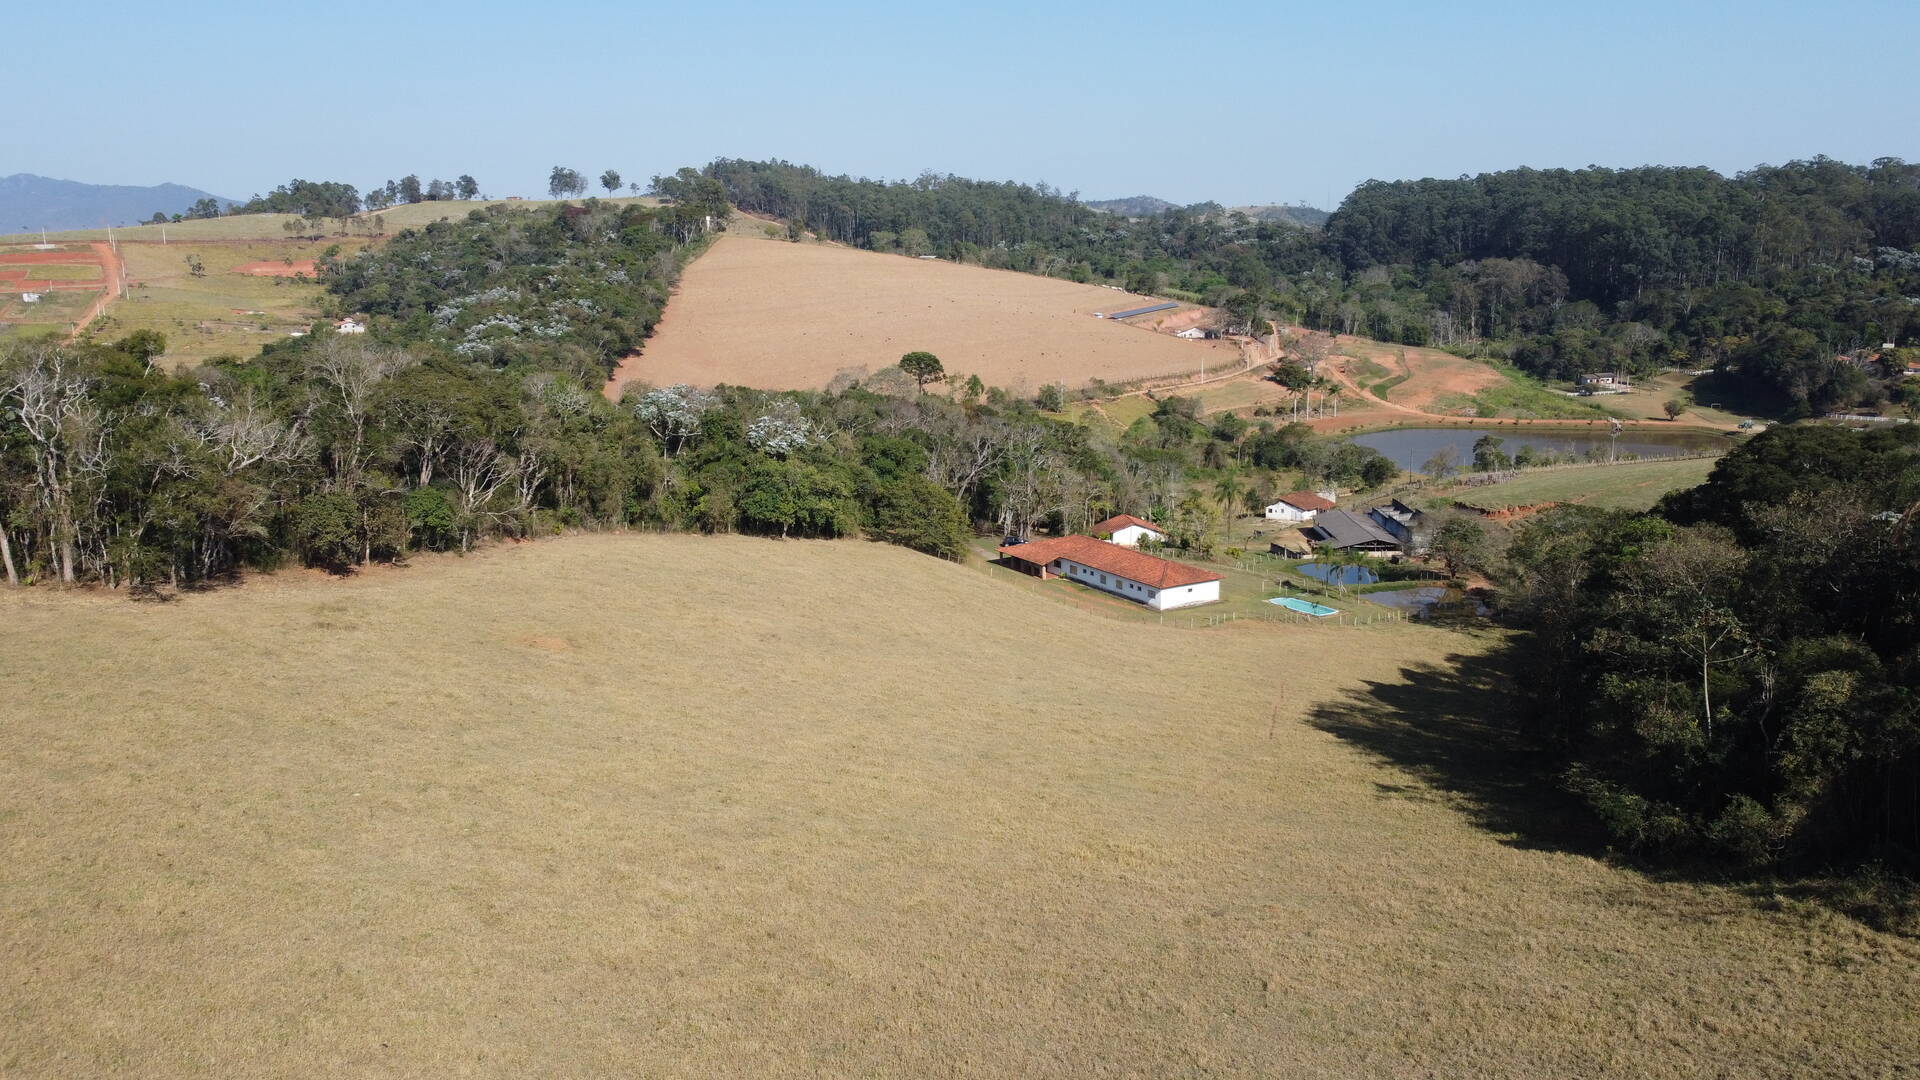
(1288, 512)
(1131, 535)
(1158, 599)
(1204, 592)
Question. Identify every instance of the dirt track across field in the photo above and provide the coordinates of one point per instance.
(278, 268)
(113, 273)
(784, 316)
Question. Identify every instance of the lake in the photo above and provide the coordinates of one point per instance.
(1410, 448)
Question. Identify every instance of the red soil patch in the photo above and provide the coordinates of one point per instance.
(278, 268)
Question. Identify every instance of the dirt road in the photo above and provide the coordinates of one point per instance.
(112, 274)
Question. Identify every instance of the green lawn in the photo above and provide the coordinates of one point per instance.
(1522, 397)
(1631, 486)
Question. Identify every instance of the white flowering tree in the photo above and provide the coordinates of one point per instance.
(673, 413)
(780, 431)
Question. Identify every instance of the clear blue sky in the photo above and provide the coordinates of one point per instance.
(1254, 102)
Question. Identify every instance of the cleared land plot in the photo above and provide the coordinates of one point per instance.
(55, 313)
(1429, 373)
(228, 310)
(1632, 486)
(12, 273)
(696, 807)
(788, 316)
(273, 226)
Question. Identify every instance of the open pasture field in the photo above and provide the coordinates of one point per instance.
(785, 316)
(232, 308)
(682, 806)
(1634, 485)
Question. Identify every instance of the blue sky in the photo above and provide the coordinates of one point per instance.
(1236, 102)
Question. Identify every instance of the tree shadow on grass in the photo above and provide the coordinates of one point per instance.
(1452, 729)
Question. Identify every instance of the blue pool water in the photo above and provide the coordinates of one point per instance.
(1304, 607)
(1338, 575)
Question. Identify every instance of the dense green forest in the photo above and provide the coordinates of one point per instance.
(1786, 280)
(1736, 677)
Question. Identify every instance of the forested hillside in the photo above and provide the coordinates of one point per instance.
(1787, 279)
(1737, 676)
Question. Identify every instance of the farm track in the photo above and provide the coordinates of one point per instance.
(113, 271)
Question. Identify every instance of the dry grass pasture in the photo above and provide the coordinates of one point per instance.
(784, 316)
(673, 806)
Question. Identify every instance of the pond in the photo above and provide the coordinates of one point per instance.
(1410, 448)
(1337, 575)
(1422, 601)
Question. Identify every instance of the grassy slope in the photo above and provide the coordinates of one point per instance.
(671, 805)
(1632, 486)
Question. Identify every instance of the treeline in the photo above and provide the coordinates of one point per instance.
(1786, 279)
(1736, 676)
(321, 199)
(474, 410)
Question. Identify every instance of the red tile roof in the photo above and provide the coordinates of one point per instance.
(1120, 521)
(1112, 559)
(1305, 500)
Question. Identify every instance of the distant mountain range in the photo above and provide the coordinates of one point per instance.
(1147, 205)
(29, 202)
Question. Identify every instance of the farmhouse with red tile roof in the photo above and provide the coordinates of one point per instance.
(1127, 530)
(1298, 506)
(1160, 584)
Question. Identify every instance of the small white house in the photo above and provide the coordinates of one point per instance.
(1160, 584)
(1127, 530)
(349, 326)
(1192, 333)
(1298, 506)
(29, 297)
(1605, 378)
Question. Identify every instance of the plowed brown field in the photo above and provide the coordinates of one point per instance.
(784, 316)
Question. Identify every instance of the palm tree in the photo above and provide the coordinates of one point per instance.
(1228, 490)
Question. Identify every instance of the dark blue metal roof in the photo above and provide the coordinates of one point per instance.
(1141, 311)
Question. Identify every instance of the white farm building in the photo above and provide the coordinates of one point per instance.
(1127, 530)
(1160, 584)
(1298, 506)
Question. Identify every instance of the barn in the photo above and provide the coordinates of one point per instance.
(1160, 584)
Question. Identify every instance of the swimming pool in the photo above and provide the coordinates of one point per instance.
(1304, 607)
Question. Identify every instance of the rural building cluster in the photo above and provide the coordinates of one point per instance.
(1116, 566)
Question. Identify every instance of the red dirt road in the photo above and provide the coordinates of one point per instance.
(114, 273)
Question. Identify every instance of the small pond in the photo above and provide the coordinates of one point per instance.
(1422, 601)
(1338, 575)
